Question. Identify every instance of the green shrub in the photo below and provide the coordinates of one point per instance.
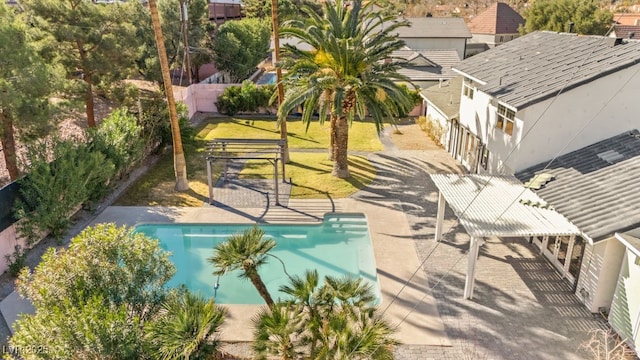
(53, 190)
(153, 114)
(16, 260)
(246, 98)
(118, 138)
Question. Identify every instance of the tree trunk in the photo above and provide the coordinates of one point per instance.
(179, 162)
(88, 102)
(256, 280)
(9, 145)
(340, 164)
(332, 137)
(276, 50)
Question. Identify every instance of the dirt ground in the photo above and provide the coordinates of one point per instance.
(411, 137)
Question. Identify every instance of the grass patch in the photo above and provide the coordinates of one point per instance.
(362, 135)
(311, 175)
(311, 172)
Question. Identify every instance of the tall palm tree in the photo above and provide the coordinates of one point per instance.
(186, 328)
(347, 72)
(276, 52)
(246, 252)
(179, 162)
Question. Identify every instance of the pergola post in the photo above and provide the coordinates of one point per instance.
(472, 258)
(275, 180)
(209, 181)
(440, 216)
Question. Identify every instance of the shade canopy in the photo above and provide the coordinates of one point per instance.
(500, 206)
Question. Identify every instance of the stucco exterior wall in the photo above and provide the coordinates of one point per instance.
(599, 273)
(580, 117)
(576, 118)
(201, 97)
(434, 114)
(8, 240)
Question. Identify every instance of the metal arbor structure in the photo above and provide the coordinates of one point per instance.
(227, 149)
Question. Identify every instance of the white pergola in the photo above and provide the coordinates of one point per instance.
(495, 206)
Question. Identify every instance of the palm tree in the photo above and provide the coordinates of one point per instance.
(186, 328)
(334, 321)
(245, 252)
(179, 162)
(347, 72)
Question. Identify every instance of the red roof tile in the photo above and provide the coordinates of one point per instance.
(499, 18)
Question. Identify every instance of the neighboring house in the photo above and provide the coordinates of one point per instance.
(496, 25)
(625, 31)
(597, 188)
(441, 104)
(544, 94)
(431, 33)
(627, 19)
(426, 68)
(224, 10)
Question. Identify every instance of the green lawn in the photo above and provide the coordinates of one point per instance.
(362, 135)
(311, 175)
(311, 172)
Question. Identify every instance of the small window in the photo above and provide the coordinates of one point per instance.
(506, 119)
(484, 158)
(468, 88)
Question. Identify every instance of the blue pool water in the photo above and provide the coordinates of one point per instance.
(340, 245)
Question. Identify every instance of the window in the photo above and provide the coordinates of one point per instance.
(468, 88)
(484, 158)
(506, 119)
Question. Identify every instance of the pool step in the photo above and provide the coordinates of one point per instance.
(346, 221)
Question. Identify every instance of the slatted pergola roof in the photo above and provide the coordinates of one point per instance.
(500, 206)
(491, 205)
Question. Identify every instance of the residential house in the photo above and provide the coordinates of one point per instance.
(542, 95)
(426, 68)
(496, 25)
(431, 33)
(625, 31)
(441, 104)
(597, 188)
(627, 18)
(224, 10)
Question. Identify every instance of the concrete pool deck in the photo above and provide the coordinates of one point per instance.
(414, 313)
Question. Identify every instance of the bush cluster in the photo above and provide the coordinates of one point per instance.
(246, 98)
(66, 175)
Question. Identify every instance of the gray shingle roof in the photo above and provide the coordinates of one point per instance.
(537, 66)
(597, 187)
(446, 97)
(432, 27)
(442, 59)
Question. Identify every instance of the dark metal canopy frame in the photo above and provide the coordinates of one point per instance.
(226, 149)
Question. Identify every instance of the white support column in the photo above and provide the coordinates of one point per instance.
(440, 216)
(472, 258)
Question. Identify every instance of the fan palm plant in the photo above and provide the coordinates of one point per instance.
(347, 72)
(246, 252)
(186, 328)
(334, 321)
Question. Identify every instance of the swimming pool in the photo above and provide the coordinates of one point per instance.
(339, 245)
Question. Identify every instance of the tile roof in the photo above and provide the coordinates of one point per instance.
(499, 18)
(534, 67)
(627, 31)
(596, 187)
(427, 65)
(445, 96)
(435, 27)
(626, 19)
